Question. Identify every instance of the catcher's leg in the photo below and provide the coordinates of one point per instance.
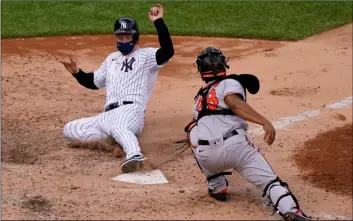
(256, 169)
(127, 123)
(217, 183)
(84, 130)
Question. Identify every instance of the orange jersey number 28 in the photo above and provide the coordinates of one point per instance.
(211, 99)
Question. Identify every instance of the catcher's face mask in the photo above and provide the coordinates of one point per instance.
(211, 63)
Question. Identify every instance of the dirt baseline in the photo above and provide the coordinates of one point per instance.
(45, 179)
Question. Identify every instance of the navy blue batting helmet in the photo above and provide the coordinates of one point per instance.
(127, 25)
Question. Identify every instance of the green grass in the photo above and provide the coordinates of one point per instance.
(253, 19)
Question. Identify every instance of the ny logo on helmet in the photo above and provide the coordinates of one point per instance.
(123, 25)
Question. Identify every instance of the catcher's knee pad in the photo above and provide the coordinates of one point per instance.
(280, 197)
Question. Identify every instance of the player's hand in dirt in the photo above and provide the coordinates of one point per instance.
(270, 132)
(71, 66)
(155, 12)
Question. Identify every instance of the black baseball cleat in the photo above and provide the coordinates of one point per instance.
(295, 216)
(132, 164)
(221, 196)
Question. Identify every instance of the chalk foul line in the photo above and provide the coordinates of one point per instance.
(285, 121)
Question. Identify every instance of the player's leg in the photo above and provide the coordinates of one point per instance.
(84, 130)
(217, 183)
(254, 167)
(127, 123)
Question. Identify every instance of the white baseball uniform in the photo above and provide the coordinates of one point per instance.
(126, 78)
(236, 152)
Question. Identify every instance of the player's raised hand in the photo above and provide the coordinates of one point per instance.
(155, 12)
(71, 66)
(270, 133)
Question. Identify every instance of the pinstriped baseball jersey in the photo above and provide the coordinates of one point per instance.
(214, 126)
(128, 78)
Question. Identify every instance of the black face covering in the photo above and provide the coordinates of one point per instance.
(125, 48)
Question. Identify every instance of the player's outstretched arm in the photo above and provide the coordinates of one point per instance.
(246, 112)
(166, 50)
(85, 79)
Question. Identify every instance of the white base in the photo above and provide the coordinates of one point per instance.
(149, 177)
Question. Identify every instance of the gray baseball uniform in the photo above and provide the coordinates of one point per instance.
(236, 152)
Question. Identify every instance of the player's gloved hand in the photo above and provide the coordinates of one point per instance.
(270, 132)
(71, 66)
(155, 12)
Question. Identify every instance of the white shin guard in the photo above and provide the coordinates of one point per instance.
(280, 197)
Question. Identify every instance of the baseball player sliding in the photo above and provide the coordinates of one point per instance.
(128, 75)
(218, 134)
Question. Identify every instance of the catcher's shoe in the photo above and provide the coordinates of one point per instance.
(295, 216)
(221, 196)
(132, 164)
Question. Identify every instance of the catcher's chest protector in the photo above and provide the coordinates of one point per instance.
(248, 81)
(207, 107)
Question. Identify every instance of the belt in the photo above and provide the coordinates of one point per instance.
(115, 105)
(225, 137)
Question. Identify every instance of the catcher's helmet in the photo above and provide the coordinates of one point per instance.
(211, 63)
(126, 25)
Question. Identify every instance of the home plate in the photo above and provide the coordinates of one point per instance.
(149, 177)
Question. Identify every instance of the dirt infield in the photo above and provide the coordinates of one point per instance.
(327, 160)
(45, 179)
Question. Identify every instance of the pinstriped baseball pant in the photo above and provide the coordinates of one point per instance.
(122, 123)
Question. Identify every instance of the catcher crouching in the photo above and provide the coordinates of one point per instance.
(218, 135)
